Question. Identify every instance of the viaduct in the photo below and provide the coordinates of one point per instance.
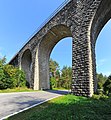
(80, 19)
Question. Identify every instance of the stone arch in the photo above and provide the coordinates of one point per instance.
(101, 17)
(26, 65)
(85, 19)
(45, 47)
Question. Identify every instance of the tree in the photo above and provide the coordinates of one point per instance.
(53, 66)
(2, 61)
(53, 83)
(20, 78)
(54, 73)
(101, 80)
(10, 77)
(4, 82)
(66, 77)
(107, 86)
(59, 79)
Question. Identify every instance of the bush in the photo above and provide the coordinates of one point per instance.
(100, 97)
(20, 78)
(11, 77)
(99, 91)
(53, 82)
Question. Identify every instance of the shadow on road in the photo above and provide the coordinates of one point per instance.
(60, 92)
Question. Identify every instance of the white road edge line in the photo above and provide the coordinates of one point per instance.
(29, 107)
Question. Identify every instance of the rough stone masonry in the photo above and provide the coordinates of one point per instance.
(80, 19)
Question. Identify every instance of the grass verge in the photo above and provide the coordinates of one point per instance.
(24, 89)
(59, 89)
(69, 107)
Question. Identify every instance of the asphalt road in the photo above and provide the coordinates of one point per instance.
(14, 102)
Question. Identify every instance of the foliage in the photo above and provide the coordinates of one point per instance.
(69, 107)
(107, 86)
(53, 82)
(104, 84)
(66, 76)
(10, 77)
(101, 80)
(60, 78)
(20, 78)
(18, 89)
(53, 66)
(100, 97)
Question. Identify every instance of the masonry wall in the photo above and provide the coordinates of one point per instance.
(79, 20)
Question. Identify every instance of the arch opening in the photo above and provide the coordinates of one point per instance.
(45, 48)
(26, 65)
(60, 64)
(101, 18)
(103, 49)
(103, 58)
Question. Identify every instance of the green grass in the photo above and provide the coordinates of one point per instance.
(69, 107)
(59, 89)
(23, 89)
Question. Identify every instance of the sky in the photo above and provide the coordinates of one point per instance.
(103, 50)
(19, 19)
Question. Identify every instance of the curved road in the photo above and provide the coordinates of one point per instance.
(10, 103)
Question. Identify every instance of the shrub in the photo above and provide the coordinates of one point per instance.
(20, 78)
(53, 82)
(100, 97)
(10, 77)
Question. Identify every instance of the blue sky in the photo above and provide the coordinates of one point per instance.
(20, 18)
(103, 50)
